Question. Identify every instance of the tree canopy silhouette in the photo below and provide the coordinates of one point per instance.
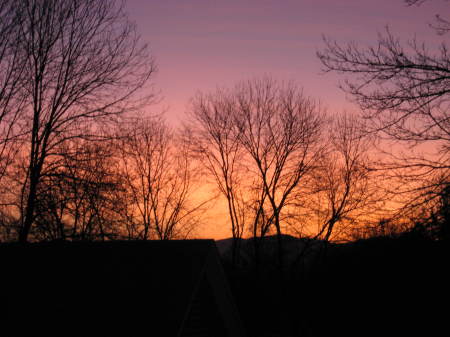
(403, 90)
(81, 64)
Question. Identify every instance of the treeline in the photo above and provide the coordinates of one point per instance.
(78, 160)
(81, 161)
(134, 184)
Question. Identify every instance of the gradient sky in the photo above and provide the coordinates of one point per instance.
(201, 44)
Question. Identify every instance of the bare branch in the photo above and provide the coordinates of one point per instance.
(66, 69)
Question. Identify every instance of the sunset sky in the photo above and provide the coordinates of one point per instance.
(201, 44)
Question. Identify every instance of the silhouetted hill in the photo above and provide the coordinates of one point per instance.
(268, 246)
(386, 286)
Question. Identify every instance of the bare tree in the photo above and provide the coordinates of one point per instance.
(281, 130)
(403, 91)
(11, 69)
(159, 179)
(344, 188)
(269, 135)
(438, 222)
(216, 142)
(80, 198)
(83, 64)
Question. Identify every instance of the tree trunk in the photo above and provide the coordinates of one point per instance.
(29, 211)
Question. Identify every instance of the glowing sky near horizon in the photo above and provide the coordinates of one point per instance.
(202, 44)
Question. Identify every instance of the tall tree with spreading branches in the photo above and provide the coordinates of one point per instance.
(262, 138)
(159, 180)
(83, 65)
(403, 90)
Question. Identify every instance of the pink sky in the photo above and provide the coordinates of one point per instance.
(201, 44)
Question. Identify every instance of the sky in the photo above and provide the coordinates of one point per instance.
(203, 44)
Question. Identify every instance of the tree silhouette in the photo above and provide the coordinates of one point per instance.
(403, 91)
(11, 98)
(83, 64)
(159, 181)
(80, 199)
(273, 132)
(215, 140)
(344, 190)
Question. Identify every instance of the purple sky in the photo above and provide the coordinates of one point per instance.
(201, 44)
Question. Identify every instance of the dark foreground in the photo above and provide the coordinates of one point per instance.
(388, 286)
(376, 287)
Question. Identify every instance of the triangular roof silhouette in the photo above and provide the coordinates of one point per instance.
(117, 288)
